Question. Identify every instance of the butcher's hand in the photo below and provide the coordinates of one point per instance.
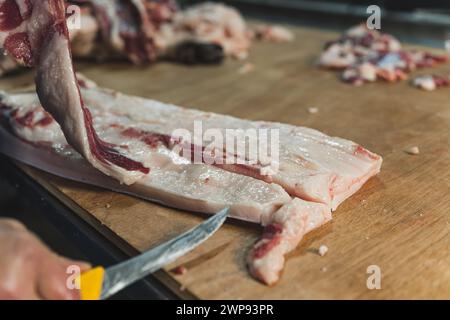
(28, 269)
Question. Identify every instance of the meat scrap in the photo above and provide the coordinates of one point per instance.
(431, 82)
(323, 249)
(313, 110)
(246, 68)
(365, 55)
(180, 270)
(273, 33)
(283, 232)
(412, 150)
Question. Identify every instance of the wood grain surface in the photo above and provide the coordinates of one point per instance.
(399, 221)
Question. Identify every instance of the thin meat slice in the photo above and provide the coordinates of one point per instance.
(35, 33)
(207, 189)
(283, 232)
(173, 181)
(186, 186)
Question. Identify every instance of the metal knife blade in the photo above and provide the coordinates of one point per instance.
(123, 274)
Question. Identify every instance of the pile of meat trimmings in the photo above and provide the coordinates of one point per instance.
(366, 55)
(143, 31)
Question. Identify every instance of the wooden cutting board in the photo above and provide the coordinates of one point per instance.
(399, 221)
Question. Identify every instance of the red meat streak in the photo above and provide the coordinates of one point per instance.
(364, 152)
(153, 139)
(27, 120)
(103, 151)
(271, 238)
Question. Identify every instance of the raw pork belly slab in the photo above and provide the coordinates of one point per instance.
(321, 170)
(312, 165)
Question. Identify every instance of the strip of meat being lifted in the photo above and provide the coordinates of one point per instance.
(35, 33)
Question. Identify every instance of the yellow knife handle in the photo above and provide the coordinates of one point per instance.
(90, 284)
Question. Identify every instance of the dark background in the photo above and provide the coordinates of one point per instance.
(425, 22)
(388, 4)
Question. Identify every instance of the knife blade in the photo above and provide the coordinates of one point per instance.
(100, 283)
